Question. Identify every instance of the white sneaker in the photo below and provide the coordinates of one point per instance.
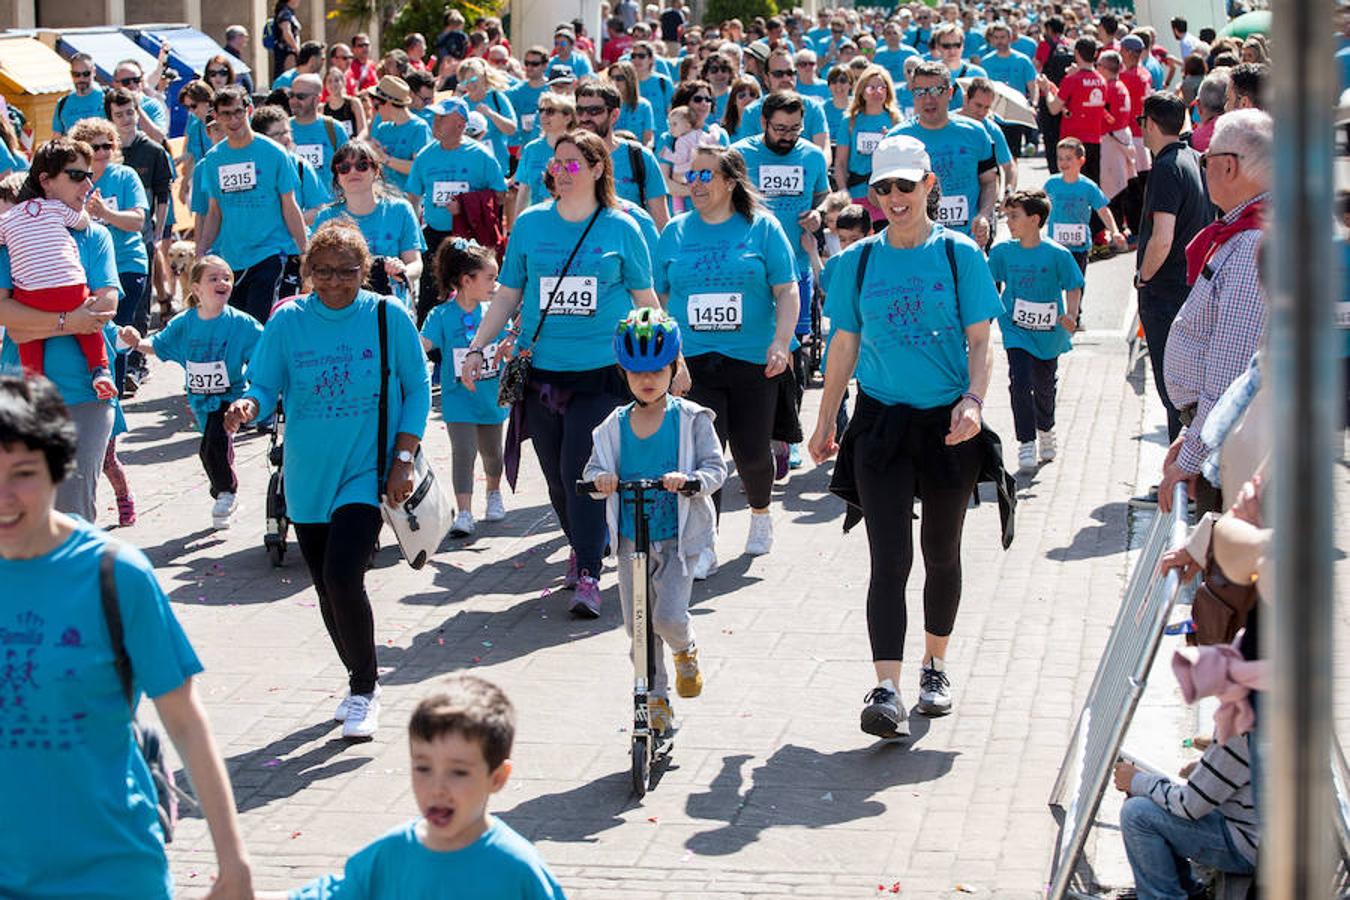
(706, 566)
(463, 526)
(760, 540)
(1047, 442)
(884, 713)
(496, 509)
(363, 717)
(340, 714)
(1026, 456)
(935, 689)
(225, 507)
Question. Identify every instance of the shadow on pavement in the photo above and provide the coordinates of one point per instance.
(575, 816)
(1105, 539)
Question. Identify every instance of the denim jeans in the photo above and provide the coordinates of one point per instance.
(1160, 846)
(1031, 383)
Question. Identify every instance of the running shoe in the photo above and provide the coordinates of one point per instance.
(586, 601)
(104, 387)
(126, 511)
(1048, 447)
(660, 715)
(570, 579)
(760, 540)
(223, 510)
(706, 567)
(463, 526)
(363, 717)
(883, 714)
(935, 689)
(340, 714)
(780, 460)
(688, 678)
(794, 456)
(1026, 456)
(496, 508)
(130, 384)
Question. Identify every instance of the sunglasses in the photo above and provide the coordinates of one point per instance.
(79, 175)
(640, 56)
(534, 62)
(343, 57)
(701, 98)
(703, 175)
(100, 147)
(549, 111)
(781, 73)
(903, 185)
(360, 165)
(300, 96)
(128, 82)
(330, 273)
(745, 92)
(571, 166)
(947, 45)
(715, 69)
(592, 110)
(934, 91)
(356, 46)
(84, 74)
(212, 73)
(806, 63)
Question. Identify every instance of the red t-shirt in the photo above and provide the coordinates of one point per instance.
(1118, 107)
(1139, 84)
(360, 77)
(1084, 95)
(616, 47)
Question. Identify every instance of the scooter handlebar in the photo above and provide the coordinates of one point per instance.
(691, 486)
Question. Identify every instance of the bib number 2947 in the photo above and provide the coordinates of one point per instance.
(576, 295)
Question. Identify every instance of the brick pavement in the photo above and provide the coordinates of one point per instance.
(773, 790)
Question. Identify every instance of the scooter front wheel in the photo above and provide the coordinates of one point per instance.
(641, 765)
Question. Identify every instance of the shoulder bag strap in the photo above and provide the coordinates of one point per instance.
(639, 167)
(543, 315)
(112, 616)
(862, 266)
(956, 283)
(381, 453)
(330, 126)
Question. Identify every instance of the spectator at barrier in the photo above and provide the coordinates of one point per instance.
(1210, 101)
(1222, 321)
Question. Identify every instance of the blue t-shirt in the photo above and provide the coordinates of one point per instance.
(967, 70)
(390, 229)
(720, 280)
(1034, 279)
(401, 141)
(247, 183)
(312, 193)
(498, 102)
(122, 190)
(531, 166)
(958, 151)
(611, 263)
(11, 162)
(910, 320)
(861, 134)
(658, 90)
(69, 766)
(813, 119)
(893, 61)
(198, 141)
(439, 175)
(1025, 46)
(625, 182)
(1071, 207)
(1156, 70)
(450, 328)
(1014, 70)
(156, 112)
(326, 362)
(580, 63)
(645, 222)
(786, 191)
(834, 119)
(201, 346)
(313, 146)
(638, 119)
(1002, 152)
(1345, 297)
(650, 457)
(500, 865)
(64, 363)
(817, 90)
(285, 79)
(524, 99)
(72, 108)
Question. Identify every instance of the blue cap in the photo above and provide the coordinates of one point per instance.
(450, 106)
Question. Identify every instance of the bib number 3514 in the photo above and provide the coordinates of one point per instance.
(1035, 316)
(576, 295)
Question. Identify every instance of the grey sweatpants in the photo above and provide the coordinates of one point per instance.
(668, 603)
(78, 494)
(467, 442)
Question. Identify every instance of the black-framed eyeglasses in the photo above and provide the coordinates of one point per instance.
(786, 130)
(305, 96)
(79, 175)
(534, 62)
(212, 73)
(1206, 157)
(330, 273)
(232, 113)
(903, 185)
(129, 80)
(703, 175)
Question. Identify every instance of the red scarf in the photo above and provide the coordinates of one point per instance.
(1209, 239)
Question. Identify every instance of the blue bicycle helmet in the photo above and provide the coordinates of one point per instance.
(647, 340)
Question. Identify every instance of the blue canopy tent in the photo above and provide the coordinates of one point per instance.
(107, 46)
(189, 49)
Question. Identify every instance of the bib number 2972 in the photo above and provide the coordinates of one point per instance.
(207, 377)
(576, 295)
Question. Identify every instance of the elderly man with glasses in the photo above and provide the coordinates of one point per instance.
(153, 118)
(86, 101)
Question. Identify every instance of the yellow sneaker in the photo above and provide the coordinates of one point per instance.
(661, 717)
(688, 679)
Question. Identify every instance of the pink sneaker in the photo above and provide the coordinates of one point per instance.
(586, 602)
(570, 579)
(104, 387)
(126, 511)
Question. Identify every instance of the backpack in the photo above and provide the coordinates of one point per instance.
(269, 34)
(638, 163)
(1058, 63)
(147, 738)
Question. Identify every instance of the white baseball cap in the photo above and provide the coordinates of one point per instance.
(900, 156)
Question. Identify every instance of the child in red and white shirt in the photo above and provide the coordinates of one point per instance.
(47, 274)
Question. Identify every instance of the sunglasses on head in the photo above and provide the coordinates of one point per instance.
(903, 185)
(360, 165)
(570, 166)
(703, 175)
(79, 175)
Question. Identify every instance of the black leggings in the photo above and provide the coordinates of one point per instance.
(744, 402)
(886, 484)
(337, 553)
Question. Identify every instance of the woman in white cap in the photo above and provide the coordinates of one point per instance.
(910, 307)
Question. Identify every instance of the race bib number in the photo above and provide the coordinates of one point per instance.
(311, 153)
(576, 295)
(715, 312)
(1035, 316)
(1071, 235)
(347, 127)
(781, 181)
(489, 369)
(240, 176)
(1343, 314)
(866, 142)
(527, 121)
(442, 192)
(953, 211)
(207, 377)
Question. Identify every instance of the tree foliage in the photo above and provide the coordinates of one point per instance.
(745, 10)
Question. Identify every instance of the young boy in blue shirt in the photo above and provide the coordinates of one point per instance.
(660, 436)
(1036, 277)
(460, 740)
(1073, 199)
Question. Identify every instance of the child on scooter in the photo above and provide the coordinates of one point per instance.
(659, 436)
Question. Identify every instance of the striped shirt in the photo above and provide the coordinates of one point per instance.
(1222, 781)
(42, 252)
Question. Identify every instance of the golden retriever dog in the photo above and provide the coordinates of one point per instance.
(181, 256)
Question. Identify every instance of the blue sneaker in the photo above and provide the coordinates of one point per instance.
(795, 456)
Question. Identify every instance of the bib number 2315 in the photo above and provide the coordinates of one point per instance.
(576, 295)
(240, 176)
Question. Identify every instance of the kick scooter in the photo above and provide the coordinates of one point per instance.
(649, 746)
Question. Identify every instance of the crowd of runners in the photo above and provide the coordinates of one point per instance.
(634, 252)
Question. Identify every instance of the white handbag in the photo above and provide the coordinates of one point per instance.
(423, 520)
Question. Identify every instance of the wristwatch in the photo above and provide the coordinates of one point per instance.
(403, 456)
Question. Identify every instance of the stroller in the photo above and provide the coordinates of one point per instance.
(278, 525)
